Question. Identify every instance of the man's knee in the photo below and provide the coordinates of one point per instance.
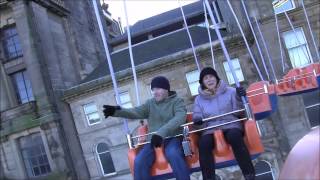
(172, 152)
(145, 156)
(138, 162)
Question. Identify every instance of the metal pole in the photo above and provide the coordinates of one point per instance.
(226, 54)
(266, 49)
(209, 34)
(190, 38)
(198, 130)
(106, 49)
(130, 53)
(279, 40)
(245, 40)
(256, 40)
(310, 31)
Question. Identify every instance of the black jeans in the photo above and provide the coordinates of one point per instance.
(235, 138)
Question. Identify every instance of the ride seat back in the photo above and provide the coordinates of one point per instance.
(300, 80)
(262, 99)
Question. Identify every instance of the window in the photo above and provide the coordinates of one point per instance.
(91, 112)
(263, 171)
(261, 128)
(281, 6)
(193, 81)
(105, 159)
(218, 177)
(125, 100)
(34, 155)
(312, 105)
(22, 86)
(297, 47)
(237, 70)
(202, 24)
(11, 44)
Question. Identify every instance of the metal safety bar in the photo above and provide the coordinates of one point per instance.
(256, 94)
(265, 88)
(198, 130)
(254, 90)
(190, 123)
(293, 78)
(215, 117)
(138, 136)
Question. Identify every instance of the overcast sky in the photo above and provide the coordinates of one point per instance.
(141, 9)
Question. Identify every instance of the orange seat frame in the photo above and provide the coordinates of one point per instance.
(262, 99)
(223, 152)
(299, 80)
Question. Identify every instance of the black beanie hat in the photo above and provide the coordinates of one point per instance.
(160, 82)
(206, 71)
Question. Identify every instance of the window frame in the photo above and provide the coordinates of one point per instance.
(4, 42)
(28, 159)
(293, 7)
(123, 104)
(307, 108)
(230, 77)
(305, 44)
(220, 177)
(86, 115)
(196, 72)
(271, 171)
(99, 160)
(25, 79)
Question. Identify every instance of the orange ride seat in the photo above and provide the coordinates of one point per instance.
(223, 152)
(262, 99)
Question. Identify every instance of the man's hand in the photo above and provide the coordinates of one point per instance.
(110, 110)
(156, 141)
(241, 91)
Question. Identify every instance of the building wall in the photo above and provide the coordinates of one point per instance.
(60, 47)
(279, 132)
(84, 36)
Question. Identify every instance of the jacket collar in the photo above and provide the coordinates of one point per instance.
(222, 87)
(172, 94)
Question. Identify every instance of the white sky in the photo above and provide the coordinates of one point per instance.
(141, 9)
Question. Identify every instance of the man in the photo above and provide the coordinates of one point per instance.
(165, 113)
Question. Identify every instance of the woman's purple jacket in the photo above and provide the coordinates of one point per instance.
(225, 100)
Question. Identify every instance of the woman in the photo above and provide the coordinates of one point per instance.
(216, 98)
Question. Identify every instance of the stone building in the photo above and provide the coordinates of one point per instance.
(63, 119)
(46, 47)
(161, 47)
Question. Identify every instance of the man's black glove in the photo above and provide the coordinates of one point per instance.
(110, 110)
(241, 91)
(197, 121)
(156, 140)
